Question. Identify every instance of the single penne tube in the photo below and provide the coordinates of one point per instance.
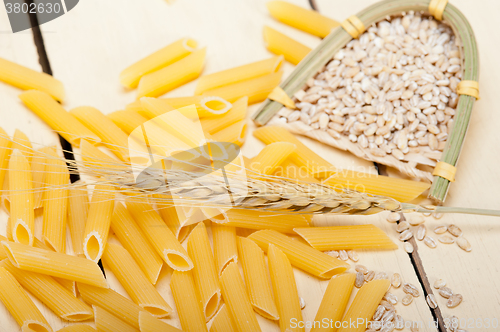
(285, 290)
(225, 247)
(57, 117)
(98, 221)
(334, 302)
(271, 156)
(3, 254)
(223, 321)
(257, 278)
(160, 236)
(54, 264)
(57, 298)
(135, 282)
(172, 76)
(280, 44)
(22, 212)
(132, 239)
(187, 302)
(256, 89)
(234, 133)
(110, 134)
(290, 170)
(55, 202)
(38, 164)
(238, 74)
(301, 255)
(346, 237)
(5, 150)
(205, 274)
(107, 322)
(237, 300)
(27, 79)
(78, 210)
(254, 219)
(114, 303)
(148, 323)
(78, 328)
(364, 305)
(169, 54)
(235, 114)
(303, 19)
(95, 159)
(175, 219)
(127, 120)
(20, 305)
(21, 142)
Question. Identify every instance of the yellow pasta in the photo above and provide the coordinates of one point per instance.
(172, 76)
(364, 305)
(254, 219)
(285, 290)
(98, 222)
(110, 134)
(114, 303)
(271, 157)
(148, 323)
(171, 53)
(346, 237)
(135, 282)
(27, 79)
(3, 254)
(225, 247)
(131, 237)
(204, 271)
(172, 217)
(334, 302)
(223, 321)
(5, 149)
(301, 255)
(57, 298)
(303, 19)
(21, 142)
(238, 74)
(127, 120)
(256, 89)
(78, 328)
(54, 264)
(92, 157)
(78, 209)
(22, 214)
(57, 118)
(281, 44)
(236, 114)
(20, 305)
(257, 278)
(236, 298)
(234, 133)
(38, 164)
(107, 322)
(187, 302)
(290, 170)
(160, 236)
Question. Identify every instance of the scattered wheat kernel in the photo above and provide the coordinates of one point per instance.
(429, 241)
(416, 220)
(332, 253)
(369, 276)
(414, 328)
(431, 301)
(387, 305)
(455, 230)
(402, 226)
(407, 299)
(393, 299)
(439, 283)
(421, 232)
(353, 255)
(464, 244)
(361, 268)
(379, 313)
(396, 280)
(454, 300)
(399, 323)
(343, 255)
(393, 217)
(380, 275)
(411, 289)
(437, 215)
(440, 229)
(388, 317)
(445, 292)
(408, 247)
(406, 235)
(446, 239)
(302, 303)
(360, 279)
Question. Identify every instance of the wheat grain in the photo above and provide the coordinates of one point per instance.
(439, 283)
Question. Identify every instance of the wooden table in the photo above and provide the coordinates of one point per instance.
(89, 46)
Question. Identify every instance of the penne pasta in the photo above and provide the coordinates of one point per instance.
(334, 302)
(107, 322)
(254, 219)
(3, 254)
(38, 164)
(236, 114)
(256, 89)
(127, 120)
(172, 76)
(205, 274)
(54, 264)
(160, 236)
(285, 290)
(238, 74)
(21, 142)
(303, 19)
(364, 305)
(115, 139)
(55, 202)
(57, 118)
(135, 282)
(172, 216)
(148, 323)
(187, 302)
(346, 237)
(57, 298)
(271, 157)
(20, 305)
(26, 79)
(281, 44)
(236, 298)
(223, 321)
(171, 53)
(132, 239)
(112, 302)
(290, 170)
(300, 255)
(225, 247)
(22, 212)
(94, 158)
(98, 222)
(5, 149)
(234, 133)
(78, 210)
(78, 328)
(257, 278)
